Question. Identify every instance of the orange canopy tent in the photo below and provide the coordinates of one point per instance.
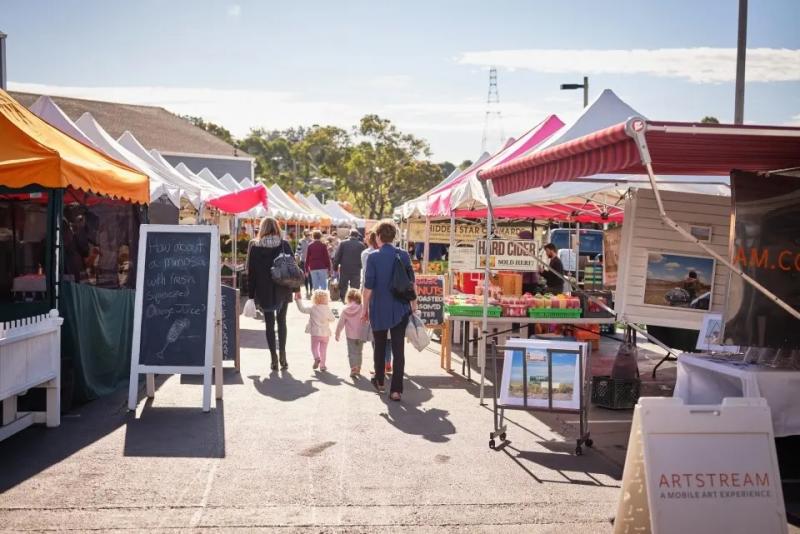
(33, 152)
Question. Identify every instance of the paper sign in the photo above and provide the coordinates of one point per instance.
(430, 299)
(462, 258)
(507, 255)
(440, 231)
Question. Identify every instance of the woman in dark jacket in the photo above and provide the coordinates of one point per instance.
(273, 299)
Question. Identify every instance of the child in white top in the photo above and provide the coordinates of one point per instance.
(319, 325)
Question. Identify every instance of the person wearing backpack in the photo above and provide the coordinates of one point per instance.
(271, 298)
(387, 306)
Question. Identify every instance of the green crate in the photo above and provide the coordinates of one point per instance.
(554, 313)
(472, 311)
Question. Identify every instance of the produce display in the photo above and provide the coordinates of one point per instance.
(547, 305)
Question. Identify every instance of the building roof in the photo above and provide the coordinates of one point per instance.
(155, 127)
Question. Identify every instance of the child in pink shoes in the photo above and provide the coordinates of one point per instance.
(356, 331)
(319, 324)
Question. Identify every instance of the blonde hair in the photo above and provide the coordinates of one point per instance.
(269, 226)
(320, 296)
(353, 295)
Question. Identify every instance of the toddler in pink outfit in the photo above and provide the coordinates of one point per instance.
(319, 325)
(355, 330)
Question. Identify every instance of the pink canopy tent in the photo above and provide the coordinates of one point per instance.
(573, 211)
(442, 201)
(241, 201)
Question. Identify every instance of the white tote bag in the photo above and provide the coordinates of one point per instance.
(417, 334)
(249, 309)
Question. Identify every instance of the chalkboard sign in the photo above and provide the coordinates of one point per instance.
(430, 299)
(176, 303)
(230, 323)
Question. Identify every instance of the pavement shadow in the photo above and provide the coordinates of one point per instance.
(252, 339)
(283, 386)
(565, 462)
(38, 448)
(328, 378)
(230, 377)
(410, 418)
(176, 432)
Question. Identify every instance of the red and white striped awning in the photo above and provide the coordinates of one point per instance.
(675, 148)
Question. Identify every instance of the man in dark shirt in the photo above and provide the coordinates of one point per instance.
(555, 284)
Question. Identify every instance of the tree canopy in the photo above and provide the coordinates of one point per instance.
(373, 167)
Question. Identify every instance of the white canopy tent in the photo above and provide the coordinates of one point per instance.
(299, 211)
(211, 190)
(159, 185)
(334, 207)
(194, 190)
(48, 111)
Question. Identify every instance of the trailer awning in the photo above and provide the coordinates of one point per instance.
(675, 148)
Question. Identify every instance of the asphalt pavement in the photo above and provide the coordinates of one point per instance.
(307, 451)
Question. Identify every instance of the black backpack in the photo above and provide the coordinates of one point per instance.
(402, 281)
(285, 271)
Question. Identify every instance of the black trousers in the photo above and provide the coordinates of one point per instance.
(347, 280)
(307, 282)
(270, 319)
(398, 340)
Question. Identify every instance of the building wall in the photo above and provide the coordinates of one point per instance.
(239, 168)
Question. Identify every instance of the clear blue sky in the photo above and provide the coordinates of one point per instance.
(421, 64)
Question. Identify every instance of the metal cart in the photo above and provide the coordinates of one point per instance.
(500, 428)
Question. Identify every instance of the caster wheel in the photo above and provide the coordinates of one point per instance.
(491, 444)
(589, 442)
(503, 436)
(578, 451)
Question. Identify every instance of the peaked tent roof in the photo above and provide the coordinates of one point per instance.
(34, 152)
(294, 209)
(104, 142)
(675, 149)
(192, 190)
(336, 209)
(48, 111)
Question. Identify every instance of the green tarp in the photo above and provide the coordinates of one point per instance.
(96, 337)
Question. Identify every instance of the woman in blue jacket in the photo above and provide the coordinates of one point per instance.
(387, 314)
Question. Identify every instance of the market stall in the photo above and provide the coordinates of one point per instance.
(637, 146)
(70, 218)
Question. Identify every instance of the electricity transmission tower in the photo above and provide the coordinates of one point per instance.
(493, 115)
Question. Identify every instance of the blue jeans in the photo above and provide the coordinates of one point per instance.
(319, 279)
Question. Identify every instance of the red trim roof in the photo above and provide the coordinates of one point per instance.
(675, 148)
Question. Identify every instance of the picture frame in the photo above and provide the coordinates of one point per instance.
(553, 370)
(710, 337)
(701, 233)
(679, 280)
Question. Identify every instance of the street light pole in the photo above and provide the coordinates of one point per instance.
(586, 89)
(741, 54)
(584, 86)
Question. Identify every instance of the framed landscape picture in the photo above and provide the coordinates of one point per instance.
(552, 368)
(710, 337)
(701, 233)
(679, 280)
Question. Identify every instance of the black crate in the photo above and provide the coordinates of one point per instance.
(615, 393)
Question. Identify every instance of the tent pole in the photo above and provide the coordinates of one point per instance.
(487, 185)
(644, 152)
(451, 246)
(426, 252)
(235, 241)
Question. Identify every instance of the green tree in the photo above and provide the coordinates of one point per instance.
(447, 168)
(708, 119)
(465, 164)
(385, 167)
(214, 129)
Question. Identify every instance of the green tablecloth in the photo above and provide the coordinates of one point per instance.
(96, 338)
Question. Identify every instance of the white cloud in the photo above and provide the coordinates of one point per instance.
(234, 10)
(699, 65)
(794, 121)
(672, 265)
